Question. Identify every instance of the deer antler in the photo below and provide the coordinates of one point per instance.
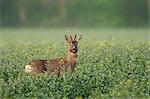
(75, 36)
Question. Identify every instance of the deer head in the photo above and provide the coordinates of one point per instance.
(73, 43)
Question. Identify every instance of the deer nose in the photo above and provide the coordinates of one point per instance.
(74, 47)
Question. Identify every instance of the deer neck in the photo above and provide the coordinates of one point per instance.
(71, 58)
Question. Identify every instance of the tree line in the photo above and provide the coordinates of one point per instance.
(105, 13)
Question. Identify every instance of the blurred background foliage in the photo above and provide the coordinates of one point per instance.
(75, 13)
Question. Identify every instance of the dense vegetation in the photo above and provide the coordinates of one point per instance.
(104, 69)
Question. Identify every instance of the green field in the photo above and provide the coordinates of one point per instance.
(56, 35)
(105, 68)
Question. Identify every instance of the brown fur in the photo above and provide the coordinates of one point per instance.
(56, 66)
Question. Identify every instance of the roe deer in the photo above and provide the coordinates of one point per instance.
(56, 66)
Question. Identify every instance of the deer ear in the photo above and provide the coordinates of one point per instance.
(66, 38)
(80, 38)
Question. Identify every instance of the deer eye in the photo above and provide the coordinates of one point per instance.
(76, 43)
